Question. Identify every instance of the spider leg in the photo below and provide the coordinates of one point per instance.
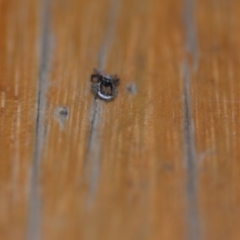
(94, 78)
(116, 80)
(94, 88)
(114, 92)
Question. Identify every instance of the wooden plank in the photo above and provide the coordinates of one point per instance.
(158, 162)
(141, 148)
(115, 170)
(18, 73)
(78, 28)
(215, 101)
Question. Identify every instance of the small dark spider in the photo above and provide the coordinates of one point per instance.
(104, 86)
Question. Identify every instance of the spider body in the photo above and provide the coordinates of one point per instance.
(104, 86)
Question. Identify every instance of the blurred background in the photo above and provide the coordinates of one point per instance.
(161, 161)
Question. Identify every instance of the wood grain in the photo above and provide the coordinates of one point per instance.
(18, 84)
(215, 101)
(158, 162)
(107, 164)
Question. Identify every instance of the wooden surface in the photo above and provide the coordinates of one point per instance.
(161, 161)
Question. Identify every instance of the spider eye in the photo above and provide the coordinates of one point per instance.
(106, 84)
(106, 79)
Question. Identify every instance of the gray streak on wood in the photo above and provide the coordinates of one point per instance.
(190, 31)
(190, 160)
(108, 36)
(34, 216)
(194, 229)
(93, 149)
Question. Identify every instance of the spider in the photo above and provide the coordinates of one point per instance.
(104, 86)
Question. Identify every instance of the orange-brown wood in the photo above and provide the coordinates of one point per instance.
(18, 82)
(161, 161)
(77, 29)
(104, 165)
(215, 101)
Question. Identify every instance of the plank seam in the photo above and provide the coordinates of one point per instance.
(33, 227)
(194, 232)
(94, 133)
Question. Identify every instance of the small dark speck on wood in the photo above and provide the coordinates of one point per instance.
(61, 115)
(131, 88)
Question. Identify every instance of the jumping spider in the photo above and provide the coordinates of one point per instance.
(104, 86)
